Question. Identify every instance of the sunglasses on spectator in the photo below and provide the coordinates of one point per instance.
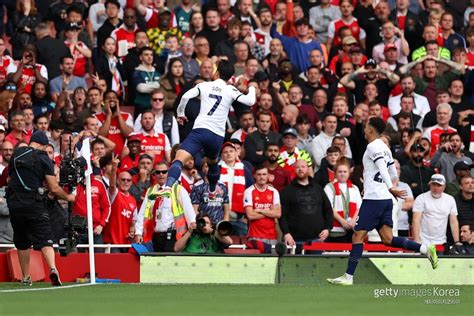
(10, 88)
(125, 179)
(160, 172)
(158, 99)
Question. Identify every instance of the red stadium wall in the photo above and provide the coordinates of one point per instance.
(125, 267)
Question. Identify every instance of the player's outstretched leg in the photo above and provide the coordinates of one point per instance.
(213, 175)
(388, 239)
(354, 257)
(428, 250)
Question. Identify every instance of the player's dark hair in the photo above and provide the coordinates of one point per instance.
(226, 70)
(378, 124)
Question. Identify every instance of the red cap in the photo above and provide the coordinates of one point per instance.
(389, 46)
(227, 144)
(135, 137)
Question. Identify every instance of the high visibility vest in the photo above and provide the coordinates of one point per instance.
(153, 202)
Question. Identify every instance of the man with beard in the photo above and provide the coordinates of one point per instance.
(370, 73)
(153, 143)
(448, 155)
(408, 86)
(431, 212)
(189, 176)
(256, 142)
(415, 173)
(262, 34)
(272, 61)
(116, 125)
(278, 177)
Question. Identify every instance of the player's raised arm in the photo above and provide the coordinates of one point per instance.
(248, 99)
(191, 93)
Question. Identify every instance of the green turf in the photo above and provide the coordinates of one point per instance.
(225, 300)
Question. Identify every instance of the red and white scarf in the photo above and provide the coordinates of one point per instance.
(235, 185)
(342, 204)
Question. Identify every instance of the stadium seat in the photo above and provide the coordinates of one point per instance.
(128, 109)
(36, 266)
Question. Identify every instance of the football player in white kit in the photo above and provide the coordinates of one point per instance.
(377, 204)
(209, 127)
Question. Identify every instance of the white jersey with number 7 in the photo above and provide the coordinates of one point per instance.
(216, 100)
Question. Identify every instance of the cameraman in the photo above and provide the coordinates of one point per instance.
(29, 167)
(203, 240)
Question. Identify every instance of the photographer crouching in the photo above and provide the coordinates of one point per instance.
(29, 170)
(201, 237)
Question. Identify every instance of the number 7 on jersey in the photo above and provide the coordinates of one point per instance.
(218, 101)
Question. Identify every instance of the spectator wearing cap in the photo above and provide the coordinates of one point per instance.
(237, 178)
(348, 20)
(66, 82)
(448, 155)
(370, 73)
(431, 212)
(112, 9)
(299, 47)
(124, 35)
(393, 38)
(79, 50)
(461, 170)
(290, 153)
(415, 173)
(56, 13)
(390, 52)
(348, 43)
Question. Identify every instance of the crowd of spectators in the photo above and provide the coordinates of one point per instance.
(114, 71)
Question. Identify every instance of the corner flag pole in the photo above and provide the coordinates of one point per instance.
(85, 150)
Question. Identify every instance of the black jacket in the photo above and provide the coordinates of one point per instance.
(49, 52)
(306, 211)
(256, 141)
(413, 29)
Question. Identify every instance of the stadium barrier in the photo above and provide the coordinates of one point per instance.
(402, 268)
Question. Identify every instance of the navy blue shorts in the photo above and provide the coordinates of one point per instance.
(202, 138)
(374, 214)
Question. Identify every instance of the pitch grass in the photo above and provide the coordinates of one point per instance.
(223, 300)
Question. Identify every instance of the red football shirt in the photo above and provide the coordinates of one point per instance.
(124, 209)
(262, 200)
(115, 134)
